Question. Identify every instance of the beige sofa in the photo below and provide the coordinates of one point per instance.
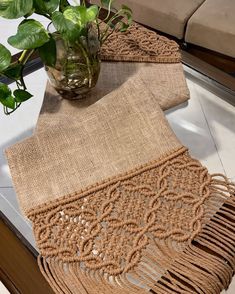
(206, 23)
(213, 26)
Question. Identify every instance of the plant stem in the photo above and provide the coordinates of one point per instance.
(27, 58)
(9, 112)
(106, 37)
(88, 64)
(23, 60)
(115, 16)
(23, 56)
(98, 28)
(23, 83)
(109, 11)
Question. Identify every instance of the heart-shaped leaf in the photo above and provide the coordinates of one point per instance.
(22, 95)
(48, 52)
(77, 15)
(5, 58)
(51, 5)
(8, 102)
(67, 28)
(14, 71)
(5, 91)
(5, 96)
(31, 34)
(42, 6)
(91, 13)
(15, 8)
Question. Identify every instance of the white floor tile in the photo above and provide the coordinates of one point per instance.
(231, 289)
(220, 116)
(10, 208)
(190, 126)
(3, 289)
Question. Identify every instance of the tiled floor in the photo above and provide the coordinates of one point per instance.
(206, 125)
(3, 289)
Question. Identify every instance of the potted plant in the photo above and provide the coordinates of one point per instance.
(69, 47)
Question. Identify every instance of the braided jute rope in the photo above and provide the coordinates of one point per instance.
(164, 227)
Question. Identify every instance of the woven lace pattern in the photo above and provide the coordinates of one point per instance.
(140, 44)
(109, 227)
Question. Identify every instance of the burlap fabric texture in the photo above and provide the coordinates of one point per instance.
(153, 58)
(119, 206)
(117, 203)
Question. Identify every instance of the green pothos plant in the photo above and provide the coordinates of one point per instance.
(71, 21)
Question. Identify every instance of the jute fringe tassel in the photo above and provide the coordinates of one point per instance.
(167, 227)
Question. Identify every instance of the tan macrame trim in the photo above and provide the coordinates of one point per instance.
(152, 228)
(140, 44)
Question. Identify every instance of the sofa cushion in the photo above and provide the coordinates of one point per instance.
(168, 16)
(213, 26)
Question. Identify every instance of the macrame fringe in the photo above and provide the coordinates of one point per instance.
(205, 266)
(139, 44)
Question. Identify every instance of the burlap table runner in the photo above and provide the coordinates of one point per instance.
(119, 206)
(117, 203)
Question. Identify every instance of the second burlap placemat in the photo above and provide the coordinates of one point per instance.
(143, 52)
(117, 203)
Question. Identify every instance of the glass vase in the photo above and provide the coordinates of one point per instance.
(77, 66)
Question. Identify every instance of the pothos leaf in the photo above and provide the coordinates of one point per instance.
(14, 71)
(21, 95)
(15, 8)
(8, 102)
(5, 91)
(31, 34)
(52, 5)
(6, 97)
(42, 6)
(92, 13)
(47, 52)
(5, 58)
(77, 15)
(68, 28)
